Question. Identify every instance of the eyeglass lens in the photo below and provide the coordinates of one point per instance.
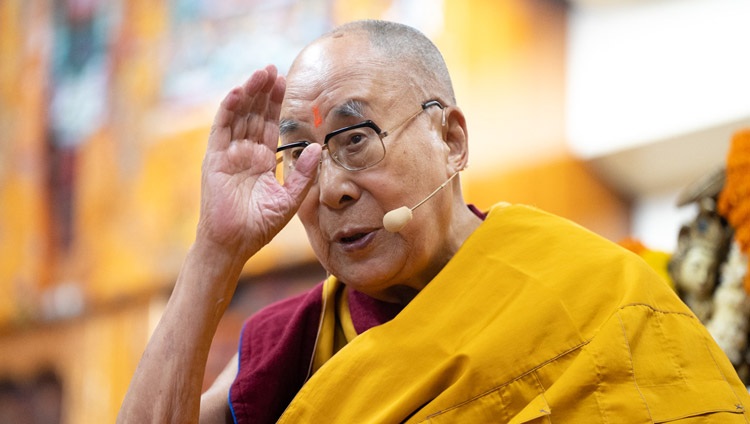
(357, 148)
(354, 149)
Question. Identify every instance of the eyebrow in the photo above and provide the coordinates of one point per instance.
(287, 126)
(351, 108)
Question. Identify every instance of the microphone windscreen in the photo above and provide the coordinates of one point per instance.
(396, 219)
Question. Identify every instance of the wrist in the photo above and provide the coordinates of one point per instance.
(224, 244)
(217, 256)
(210, 273)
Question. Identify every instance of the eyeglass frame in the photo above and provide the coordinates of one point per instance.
(368, 124)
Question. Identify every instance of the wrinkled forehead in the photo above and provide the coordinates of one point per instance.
(331, 62)
(344, 76)
(328, 57)
(349, 111)
(337, 80)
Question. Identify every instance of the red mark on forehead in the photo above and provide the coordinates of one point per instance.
(317, 119)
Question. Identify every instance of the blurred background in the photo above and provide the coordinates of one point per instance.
(602, 111)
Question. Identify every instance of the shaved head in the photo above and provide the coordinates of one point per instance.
(403, 47)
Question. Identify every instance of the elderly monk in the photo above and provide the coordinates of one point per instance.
(460, 316)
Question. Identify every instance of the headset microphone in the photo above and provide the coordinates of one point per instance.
(397, 219)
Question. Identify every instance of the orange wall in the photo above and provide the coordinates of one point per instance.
(25, 235)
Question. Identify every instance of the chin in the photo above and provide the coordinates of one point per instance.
(364, 282)
(363, 279)
(387, 288)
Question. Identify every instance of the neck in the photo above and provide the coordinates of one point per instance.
(464, 223)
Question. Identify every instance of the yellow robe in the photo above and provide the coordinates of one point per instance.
(534, 320)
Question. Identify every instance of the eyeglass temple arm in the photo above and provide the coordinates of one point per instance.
(429, 103)
(424, 105)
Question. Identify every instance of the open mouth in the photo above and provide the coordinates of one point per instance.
(353, 238)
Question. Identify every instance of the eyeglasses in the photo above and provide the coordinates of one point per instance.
(354, 148)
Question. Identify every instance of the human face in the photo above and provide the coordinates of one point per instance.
(343, 211)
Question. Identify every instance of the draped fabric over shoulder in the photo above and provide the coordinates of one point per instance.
(534, 316)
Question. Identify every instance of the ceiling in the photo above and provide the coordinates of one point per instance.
(667, 165)
(603, 3)
(653, 110)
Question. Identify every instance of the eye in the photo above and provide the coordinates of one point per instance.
(292, 151)
(355, 140)
(296, 152)
(356, 147)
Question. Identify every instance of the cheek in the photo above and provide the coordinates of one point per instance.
(308, 215)
(307, 209)
(418, 156)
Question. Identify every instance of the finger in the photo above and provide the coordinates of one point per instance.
(271, 135)
(221, 132)
(305, 172)
(276, 98)
(256, 84)
(271, 79)
(225, 127)
(257, 91)
(279, 89)
(253, 103)
(255, 108)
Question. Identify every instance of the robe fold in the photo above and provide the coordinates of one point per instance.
(534, 320)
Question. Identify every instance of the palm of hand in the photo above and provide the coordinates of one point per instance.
(242, 204)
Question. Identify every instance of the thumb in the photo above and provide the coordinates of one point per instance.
(305, 172)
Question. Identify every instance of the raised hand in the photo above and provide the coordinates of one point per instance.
(243, 206)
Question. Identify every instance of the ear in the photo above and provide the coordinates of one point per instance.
(456, 137)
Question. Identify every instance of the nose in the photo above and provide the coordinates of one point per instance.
(335, 185)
